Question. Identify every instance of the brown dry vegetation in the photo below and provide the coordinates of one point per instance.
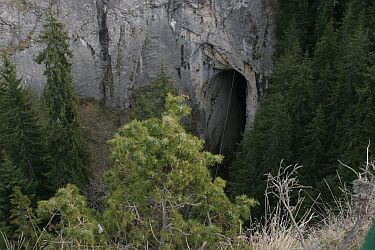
(98, 126)
(343, 225)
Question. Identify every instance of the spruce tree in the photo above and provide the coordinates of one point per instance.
(370, 24)
(362, 131)
(149, 100)
(325, 15)
(299, 96)
(352, 60)
(324, 70)
(262, 149)
(321, 95)
(10, 177)
(292, 78)
(284, 110)
(274, 139)
(325, 52)
(288, 62)
(292, 13)
(290, 40)
(351, 69)
(68, 150)
(245, 161)
(23, 219)
(20, 132)
(313, 154)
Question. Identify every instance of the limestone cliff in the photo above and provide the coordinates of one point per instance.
(119, 45)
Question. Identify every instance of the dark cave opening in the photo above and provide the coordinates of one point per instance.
(225, 116)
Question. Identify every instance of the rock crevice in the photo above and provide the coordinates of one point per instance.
(105, 57)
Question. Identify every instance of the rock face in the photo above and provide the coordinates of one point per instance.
(119, 45)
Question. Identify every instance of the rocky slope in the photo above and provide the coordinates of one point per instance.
(119, 45)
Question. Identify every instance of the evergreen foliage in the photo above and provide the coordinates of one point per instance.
(161, 190)
(324, 16)
(293, 80)
(149, 101)
(263, 148)
(162, 196)
(351, 63)
(291, 13)
(320, 108)
(285, 110)
(324, 68)
(69, 219)
(10, 177)
(23, 218)
(21, 135)
(363, 123)
(69, 153)
(314, 151)
(327, 93)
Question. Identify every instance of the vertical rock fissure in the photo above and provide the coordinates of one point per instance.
(106, 62)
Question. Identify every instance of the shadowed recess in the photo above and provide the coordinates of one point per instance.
(225, 115)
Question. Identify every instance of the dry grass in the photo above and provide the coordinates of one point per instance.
(341, 226)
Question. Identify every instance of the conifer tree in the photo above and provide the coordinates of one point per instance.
(361, 6)
(284, 110)
(161, 190)
(290, 39)
(363, 126)
(298, 93)
(351, 69)
(351, 61)
(76, 224)
(262, 149)
(366, 8)
(370, 18)
(324, 70)
(10, 177)
(313, 154)
(149, 101)
(288, 62)
(292, 78)
(23, 218)
(68, 150)
(325, 52)
(321, 96)
(244, 163)
(325, 16)
(20, 132)
(293, 13)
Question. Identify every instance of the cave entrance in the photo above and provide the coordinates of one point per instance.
(225, 115)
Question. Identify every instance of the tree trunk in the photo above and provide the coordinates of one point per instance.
(164, 225)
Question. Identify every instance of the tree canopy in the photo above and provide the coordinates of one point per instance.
(69, 154)
(161, 188)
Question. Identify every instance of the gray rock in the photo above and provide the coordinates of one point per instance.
(119, 46)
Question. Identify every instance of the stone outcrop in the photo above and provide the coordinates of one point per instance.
(119, 45)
